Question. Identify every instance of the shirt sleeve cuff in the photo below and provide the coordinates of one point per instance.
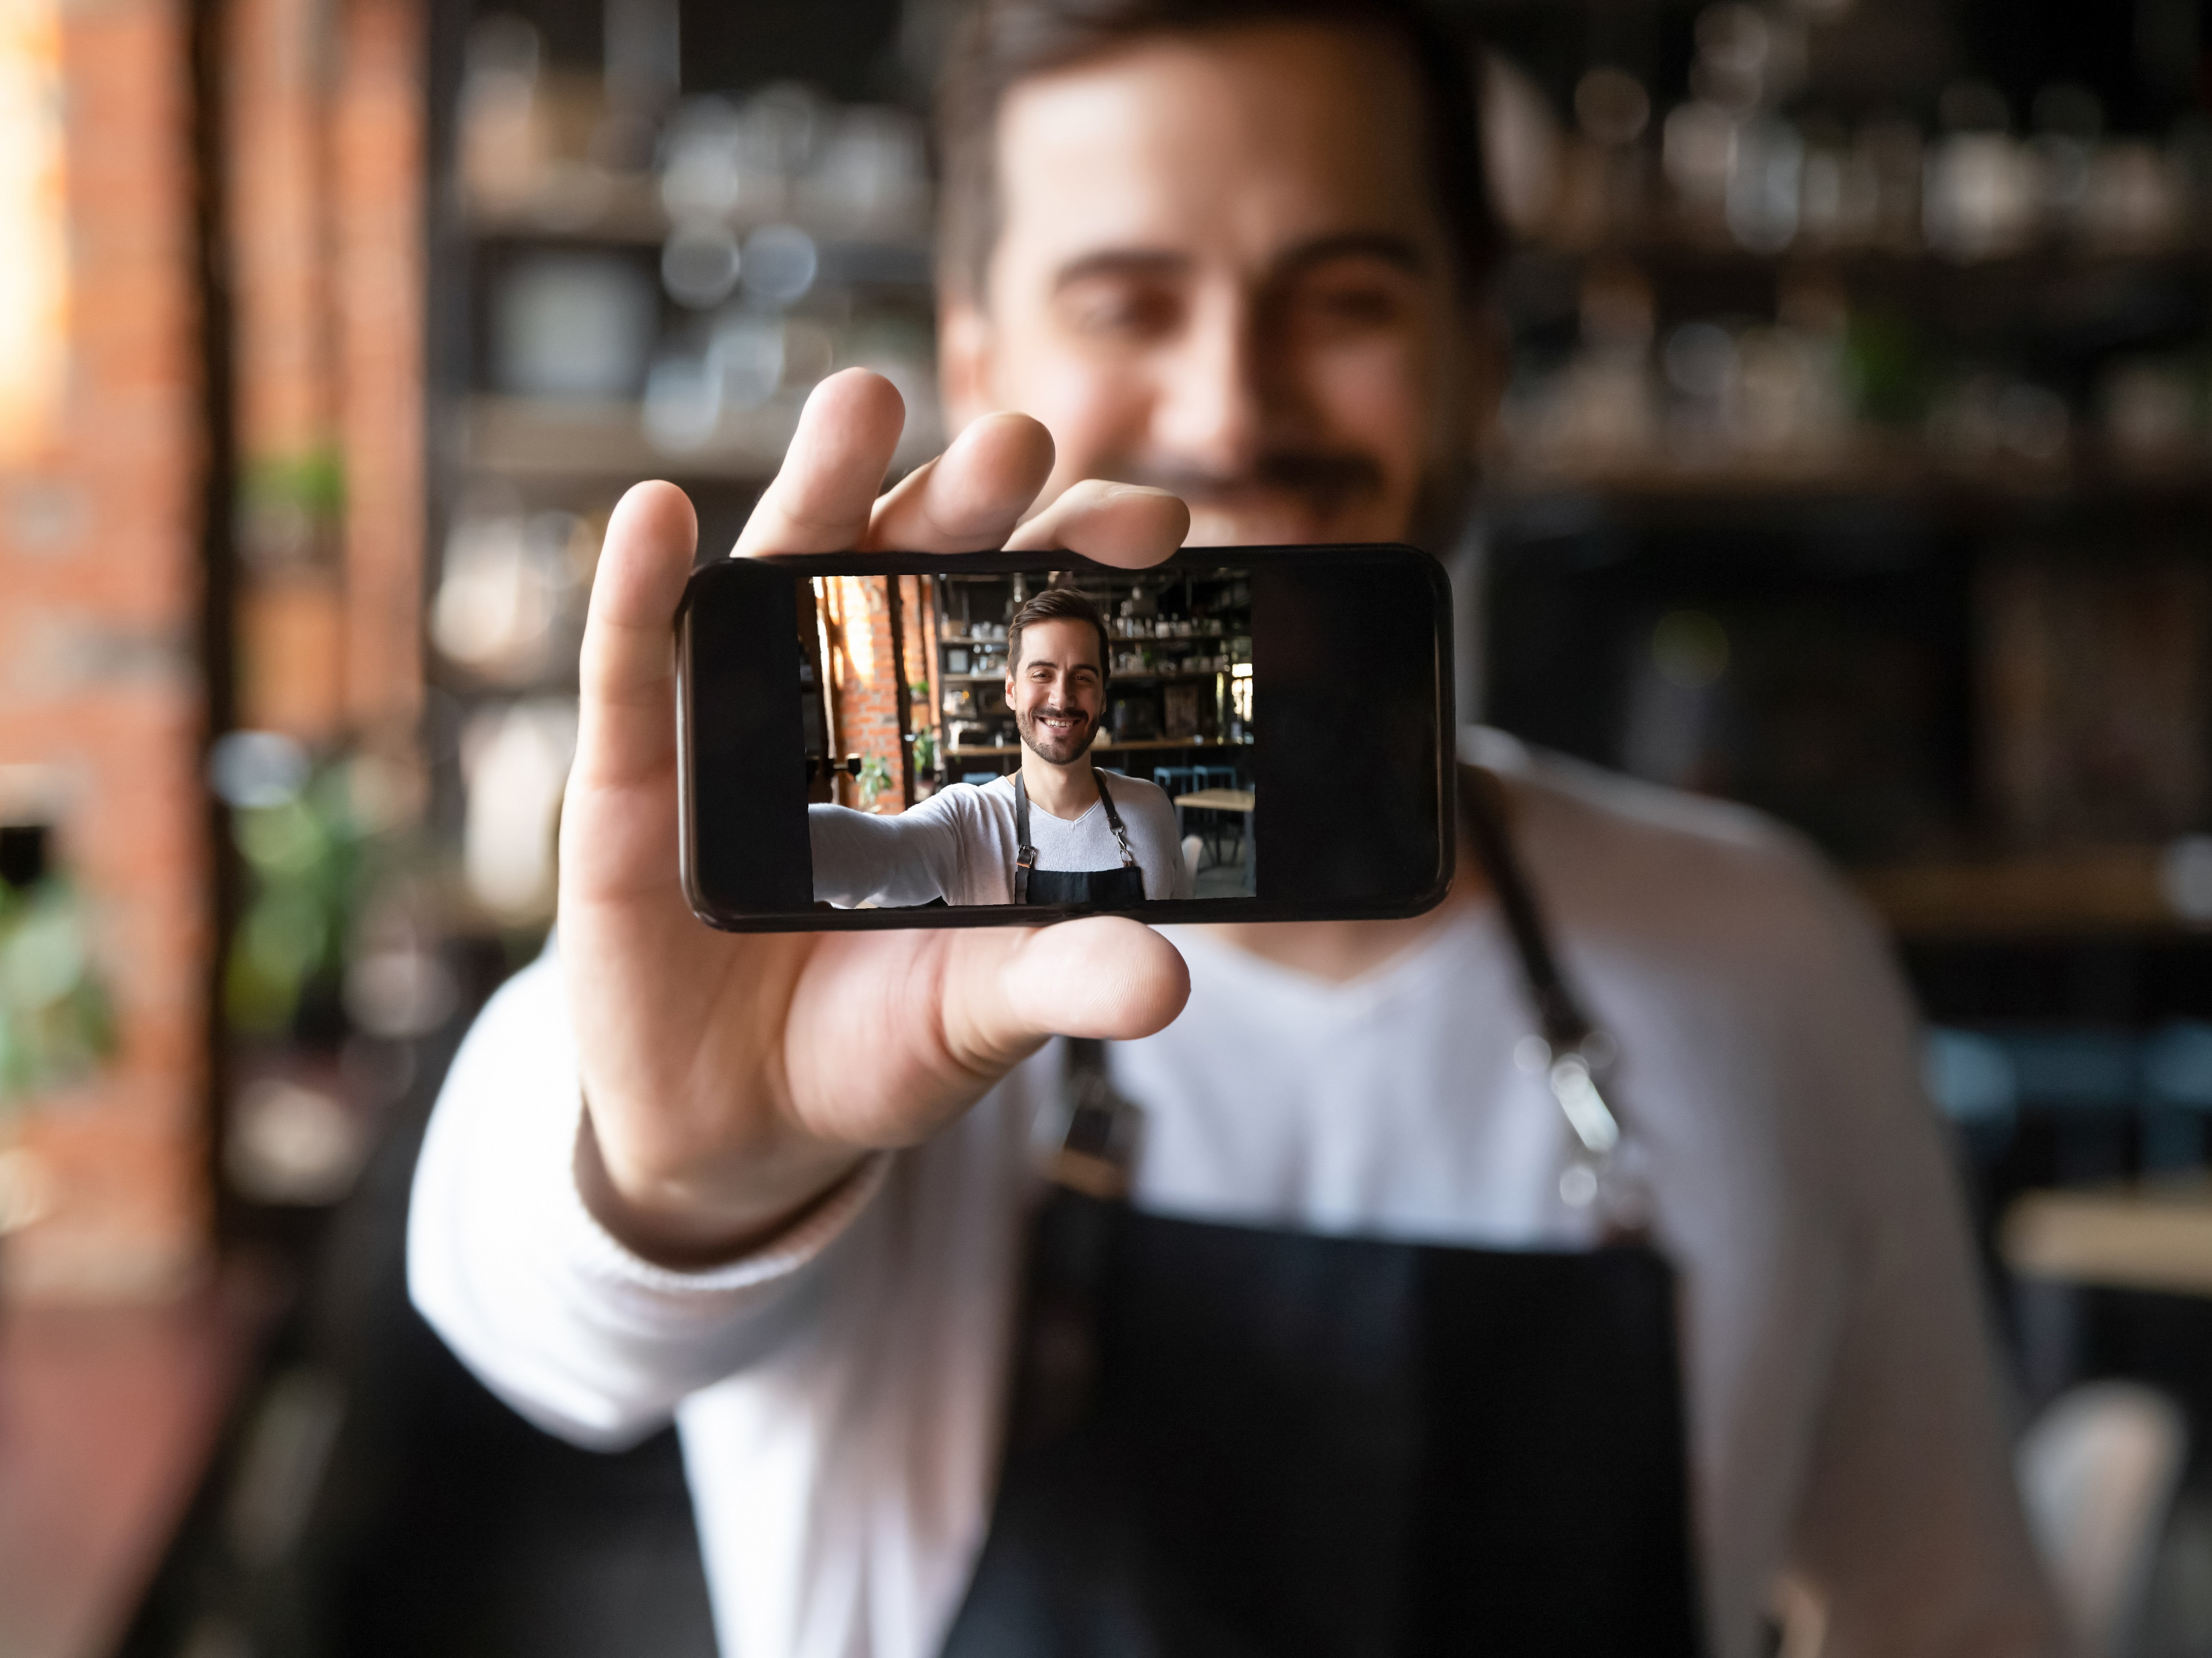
(598, 1253)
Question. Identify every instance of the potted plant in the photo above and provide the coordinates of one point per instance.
(875, 778)
(57, 1022)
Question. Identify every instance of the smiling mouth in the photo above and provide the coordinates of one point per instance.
(1062, 724)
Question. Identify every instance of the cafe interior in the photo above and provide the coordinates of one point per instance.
(1854, 465)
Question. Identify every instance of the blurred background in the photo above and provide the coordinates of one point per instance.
(1856, 463)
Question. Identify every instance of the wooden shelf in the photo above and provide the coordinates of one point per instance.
(2098, 890)
(1876, 467)
(546, 438)
(1118, 674)
(1135, 744)
(584, 205)
(1674, 248)
(549, 439)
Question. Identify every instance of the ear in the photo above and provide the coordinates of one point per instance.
(964, 376)
(1490, 355)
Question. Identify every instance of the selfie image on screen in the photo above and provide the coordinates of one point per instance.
(1055, 738)
(891, 741)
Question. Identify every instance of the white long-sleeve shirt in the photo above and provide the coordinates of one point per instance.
(959, 845)
(840, 1394)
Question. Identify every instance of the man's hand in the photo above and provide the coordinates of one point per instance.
(730, 1081)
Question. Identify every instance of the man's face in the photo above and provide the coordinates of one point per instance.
(1056, 689)
(1220, 271)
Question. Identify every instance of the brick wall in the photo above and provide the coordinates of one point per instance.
(323, 124)
(100, 704)
(378, 163)
(864, 685)
(918, 617)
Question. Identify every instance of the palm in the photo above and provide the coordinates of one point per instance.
(731, 1077)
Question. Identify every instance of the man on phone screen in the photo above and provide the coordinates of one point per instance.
(1213, 270)
(1060, 830)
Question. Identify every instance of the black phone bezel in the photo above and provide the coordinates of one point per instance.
(1183, 912)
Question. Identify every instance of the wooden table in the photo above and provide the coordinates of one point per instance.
(2156, 1234)
(1215, 800)
(1240, 800)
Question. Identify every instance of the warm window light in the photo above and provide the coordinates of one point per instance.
(34, 272)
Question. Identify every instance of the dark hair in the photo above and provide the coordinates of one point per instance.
(1058, 604)
(1003, 42)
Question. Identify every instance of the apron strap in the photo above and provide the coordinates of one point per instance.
(1113, 820)
(1025, 855)
(1565, 1025)
(1573, 1047)
(1099, 1145)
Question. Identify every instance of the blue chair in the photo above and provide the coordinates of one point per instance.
(2177, 1064)
(979, 778)
(1218, 823)
(1175, 780)
(1974, 1081)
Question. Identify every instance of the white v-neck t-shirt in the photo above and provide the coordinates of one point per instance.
(959, 845)
(840, 1394)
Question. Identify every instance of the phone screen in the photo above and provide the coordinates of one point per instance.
(896, 740)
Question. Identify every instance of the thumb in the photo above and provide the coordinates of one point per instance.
(1105, 976)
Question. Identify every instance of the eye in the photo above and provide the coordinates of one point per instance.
(1366, 306)
(1358, 297)
(1120, 308)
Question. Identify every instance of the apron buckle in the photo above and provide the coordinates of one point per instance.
(1097, 1144)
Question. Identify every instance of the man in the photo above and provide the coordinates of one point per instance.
(1059, 831)
(775, 1185)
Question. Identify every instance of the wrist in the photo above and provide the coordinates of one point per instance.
(673, 1223)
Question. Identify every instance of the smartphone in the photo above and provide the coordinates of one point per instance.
(1268, 731)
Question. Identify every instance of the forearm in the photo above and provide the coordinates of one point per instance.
(576, 1331)
(862, 858)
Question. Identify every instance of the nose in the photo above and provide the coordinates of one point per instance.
(1213, 405)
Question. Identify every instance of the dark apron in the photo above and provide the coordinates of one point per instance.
(1233, 1440)
(1099, 889)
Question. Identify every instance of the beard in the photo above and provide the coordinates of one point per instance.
(1061, 748)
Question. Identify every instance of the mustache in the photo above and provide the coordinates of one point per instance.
(1328, 478)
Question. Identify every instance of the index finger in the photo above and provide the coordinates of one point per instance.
(626, 671)
(822, 495)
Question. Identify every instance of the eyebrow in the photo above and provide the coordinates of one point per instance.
(1388, 247)
(1121, 262)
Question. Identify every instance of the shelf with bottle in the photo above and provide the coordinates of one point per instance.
(626, 210)
(1756, 153)
(1156, 677)
(659, 280)
(2162, 888)
(1120, 676)
(555, 438)
(1107, 744)
(1877, 468)
(1836, 394)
